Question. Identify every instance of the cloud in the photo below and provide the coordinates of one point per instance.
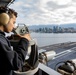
(45, 11)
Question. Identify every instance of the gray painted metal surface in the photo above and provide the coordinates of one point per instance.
(48, 70)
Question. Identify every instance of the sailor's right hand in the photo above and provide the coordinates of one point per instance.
(27, 36)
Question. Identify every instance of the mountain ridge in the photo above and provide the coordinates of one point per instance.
(52, 25)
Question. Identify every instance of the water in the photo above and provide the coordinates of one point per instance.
(44, 39)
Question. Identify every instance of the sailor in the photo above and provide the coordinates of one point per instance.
(11, 59)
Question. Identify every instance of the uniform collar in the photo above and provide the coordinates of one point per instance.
(1, 32)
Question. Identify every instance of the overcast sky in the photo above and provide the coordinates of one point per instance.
(45, 11)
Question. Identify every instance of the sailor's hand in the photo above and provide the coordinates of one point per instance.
(27, 36)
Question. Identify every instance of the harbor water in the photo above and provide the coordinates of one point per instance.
(45, 39)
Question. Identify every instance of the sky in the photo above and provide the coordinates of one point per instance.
(35, 12)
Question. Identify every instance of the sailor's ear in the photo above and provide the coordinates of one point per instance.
(4, 18)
